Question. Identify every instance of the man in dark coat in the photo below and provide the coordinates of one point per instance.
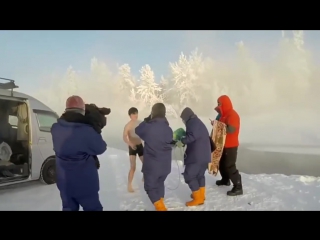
(157, 136)
(227, 167)
(75, 144)
(94, 116)
(198, 155)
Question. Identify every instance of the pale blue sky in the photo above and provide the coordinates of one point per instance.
(31, 57)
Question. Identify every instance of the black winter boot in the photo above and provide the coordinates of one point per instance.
(223, 182)
(237, 188)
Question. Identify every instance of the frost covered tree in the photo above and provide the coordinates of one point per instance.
(133, 97)
(167, 96)
(148, 90)
(185, 75)
(164, 87)
(126, 91)
(126, 83)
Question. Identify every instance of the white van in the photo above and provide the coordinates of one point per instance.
(27, 149)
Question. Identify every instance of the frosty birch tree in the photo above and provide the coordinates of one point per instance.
(166, 96)
(148, 89)
(164, 86)
(126, 83)
(185, 76)
(126, 90)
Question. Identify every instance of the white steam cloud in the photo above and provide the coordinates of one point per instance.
(270, 97)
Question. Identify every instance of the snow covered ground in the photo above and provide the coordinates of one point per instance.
(261, 192)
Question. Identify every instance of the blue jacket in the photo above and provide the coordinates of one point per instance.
(157, 136)
(75, 144)
(197, 139)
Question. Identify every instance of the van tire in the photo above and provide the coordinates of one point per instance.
(48, 171)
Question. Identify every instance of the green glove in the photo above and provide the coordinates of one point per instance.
(178, 134)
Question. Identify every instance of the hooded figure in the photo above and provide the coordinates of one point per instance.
(228, 159)
(76, 144)
(198, 155)
(157, 136)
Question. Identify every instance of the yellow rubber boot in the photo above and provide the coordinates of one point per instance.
(159, 205)
(203, 193)
(197, 199)
(162, 199)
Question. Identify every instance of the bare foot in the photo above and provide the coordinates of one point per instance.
(130, 188)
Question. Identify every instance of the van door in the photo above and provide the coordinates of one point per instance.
(45, 120)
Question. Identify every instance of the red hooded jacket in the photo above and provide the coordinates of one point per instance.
(231, 118)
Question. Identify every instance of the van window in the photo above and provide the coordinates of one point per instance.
(45, 120)
(13, 120)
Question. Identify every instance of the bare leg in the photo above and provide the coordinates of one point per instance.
(141, 159)
(131, 172)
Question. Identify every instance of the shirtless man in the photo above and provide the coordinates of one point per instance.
(134, 143)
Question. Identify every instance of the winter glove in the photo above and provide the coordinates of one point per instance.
(147, 119)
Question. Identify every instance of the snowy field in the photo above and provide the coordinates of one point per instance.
(261, 192)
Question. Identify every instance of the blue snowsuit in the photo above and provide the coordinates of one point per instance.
(157, 158)
(75, 144)
(198, 152)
